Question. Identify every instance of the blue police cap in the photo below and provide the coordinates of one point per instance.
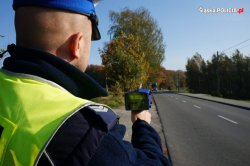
(85, 7)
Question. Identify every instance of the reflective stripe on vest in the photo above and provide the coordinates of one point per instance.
(31, 111)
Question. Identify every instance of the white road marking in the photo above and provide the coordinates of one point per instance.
(183, 101)
(197, 106)
(228, 119)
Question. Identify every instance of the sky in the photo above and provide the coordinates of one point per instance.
(188, 26)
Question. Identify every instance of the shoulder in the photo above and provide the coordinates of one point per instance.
(107, 117)
(80, 135)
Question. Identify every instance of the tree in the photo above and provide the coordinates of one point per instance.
(169, 79)
(239, 71)
(140, 23)
(161, 78)
(247, 77)
(195, 77)
(182, 79)
(225, 75)
(124, 62)
(222, 76)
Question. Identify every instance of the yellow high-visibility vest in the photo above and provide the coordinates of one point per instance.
(31, 111)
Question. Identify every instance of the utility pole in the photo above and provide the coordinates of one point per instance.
(106, 82)
(178, 82)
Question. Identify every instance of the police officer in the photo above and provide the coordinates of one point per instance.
(46, 117)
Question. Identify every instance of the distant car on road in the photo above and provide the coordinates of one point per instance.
(154, 87)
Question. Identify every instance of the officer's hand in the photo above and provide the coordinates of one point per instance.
(143, 115)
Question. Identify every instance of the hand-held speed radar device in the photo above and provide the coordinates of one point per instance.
(138, 100)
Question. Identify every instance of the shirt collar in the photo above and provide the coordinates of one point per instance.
(45, 65)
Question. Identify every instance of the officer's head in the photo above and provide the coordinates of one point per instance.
(64, 28)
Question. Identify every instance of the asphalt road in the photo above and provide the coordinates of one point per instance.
(204, 133)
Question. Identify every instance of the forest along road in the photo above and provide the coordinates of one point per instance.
(204, 133)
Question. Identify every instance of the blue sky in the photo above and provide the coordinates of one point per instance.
(185, 29)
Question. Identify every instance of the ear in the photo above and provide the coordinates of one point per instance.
(75, 45)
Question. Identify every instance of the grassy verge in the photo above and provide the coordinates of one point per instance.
(220, 97)
(111, 101)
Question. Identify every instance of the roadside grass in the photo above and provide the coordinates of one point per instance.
(112, 101)
(181, 90)
(246, 101)
(238, 99)
(221, 97)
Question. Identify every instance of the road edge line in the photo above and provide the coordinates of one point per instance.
(165, 139)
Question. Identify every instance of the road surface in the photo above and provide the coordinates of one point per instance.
(204, 133)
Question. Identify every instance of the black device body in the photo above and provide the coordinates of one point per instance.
(138, 100)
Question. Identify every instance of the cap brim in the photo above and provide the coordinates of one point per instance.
(95, 32)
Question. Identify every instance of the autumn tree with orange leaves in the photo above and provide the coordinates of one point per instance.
(124, 62)
(141, 24)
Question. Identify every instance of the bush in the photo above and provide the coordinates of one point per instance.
(116, 90)
(112, 100)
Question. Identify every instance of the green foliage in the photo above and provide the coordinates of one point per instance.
(111, 101)
(124, 63)
(116, 90)
(195, 68)
(140, 23)
(222, 76)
